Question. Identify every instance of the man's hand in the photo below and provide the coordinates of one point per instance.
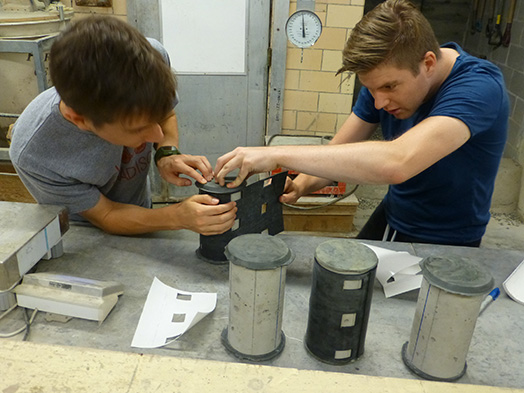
(291, 192)
(171, 167)
(249, 160)
(200, 213)
(203, 214)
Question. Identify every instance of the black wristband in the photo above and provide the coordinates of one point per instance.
(164, 151)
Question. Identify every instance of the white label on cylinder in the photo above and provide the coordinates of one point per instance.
(348, 320)
(352, 284)
(343, 354)
(236, 225)
(236, 196)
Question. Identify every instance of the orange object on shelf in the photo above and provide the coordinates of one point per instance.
(337, 188)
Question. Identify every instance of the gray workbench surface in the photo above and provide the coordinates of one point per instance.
(495, 358)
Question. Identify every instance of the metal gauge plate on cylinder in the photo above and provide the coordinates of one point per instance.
(303, 28)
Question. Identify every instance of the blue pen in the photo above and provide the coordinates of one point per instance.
(492, 296)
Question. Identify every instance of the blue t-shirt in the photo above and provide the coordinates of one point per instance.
(449, 202)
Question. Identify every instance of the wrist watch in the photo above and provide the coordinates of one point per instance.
(164, 151)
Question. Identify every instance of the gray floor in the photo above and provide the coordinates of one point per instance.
(505, 231)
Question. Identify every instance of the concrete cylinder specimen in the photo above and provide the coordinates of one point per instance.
(257, 275)
(447, 309)
(340, 300)
(212, 247)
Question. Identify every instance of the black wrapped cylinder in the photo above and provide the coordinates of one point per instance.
(212, 247)
(258, 210)
(340, 303)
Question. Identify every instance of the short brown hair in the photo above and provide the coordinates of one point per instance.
(395, 32)
(106, 70)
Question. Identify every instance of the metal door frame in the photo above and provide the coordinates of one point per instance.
(277, 70)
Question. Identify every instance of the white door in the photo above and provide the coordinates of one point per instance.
(222, 73)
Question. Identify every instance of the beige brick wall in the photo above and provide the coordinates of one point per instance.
(316, 102)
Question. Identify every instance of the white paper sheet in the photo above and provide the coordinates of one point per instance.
(397, 271)
(514, 284)
(168, 313)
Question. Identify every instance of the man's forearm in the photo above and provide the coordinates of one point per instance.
(127, 219)
(170, 130)
(307, 184)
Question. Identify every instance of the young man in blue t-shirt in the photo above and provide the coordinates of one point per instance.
(444, 118)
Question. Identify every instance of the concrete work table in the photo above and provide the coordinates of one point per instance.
(495, 358)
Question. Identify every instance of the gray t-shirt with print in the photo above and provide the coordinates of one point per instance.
(61, 164)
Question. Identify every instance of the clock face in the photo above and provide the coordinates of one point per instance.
(303, 28)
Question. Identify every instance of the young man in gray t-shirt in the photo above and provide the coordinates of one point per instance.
(87, 142)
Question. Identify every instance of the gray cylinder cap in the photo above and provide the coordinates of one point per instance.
(457, 275)
(211, 187)
(259, 252)
(346, 256)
